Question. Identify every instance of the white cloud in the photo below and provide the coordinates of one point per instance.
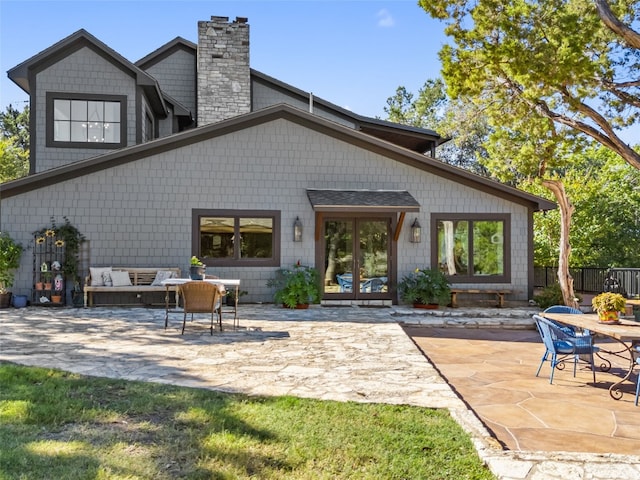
(385, 19)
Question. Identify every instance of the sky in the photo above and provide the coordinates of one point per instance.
(353, 53)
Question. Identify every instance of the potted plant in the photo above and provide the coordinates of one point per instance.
(10, 253)
(46, 278)
(231, 296)
(197, 269)
(608, 306)
(425, 288)
(296, 287)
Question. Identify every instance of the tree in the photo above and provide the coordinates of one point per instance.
(14, 162)
(14, 144)
(455, 120)
(556, 57)
(15, 125)
(545, 74)
(606, 223)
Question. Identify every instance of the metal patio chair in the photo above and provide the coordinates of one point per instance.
(201, 297)
(345, 281)
(560, 346)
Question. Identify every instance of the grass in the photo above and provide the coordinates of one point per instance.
(57, 425)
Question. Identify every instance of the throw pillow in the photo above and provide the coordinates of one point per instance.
(120, 279)
(106, 279)
(161, 276)
(96, 275)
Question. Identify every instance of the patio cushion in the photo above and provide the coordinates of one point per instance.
(106, 279)
(96, 275)
(161, 276)
(120, 279)
(562, 346)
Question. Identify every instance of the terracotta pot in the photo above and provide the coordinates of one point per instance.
(300, 306)
(39, 285)
(56, 298)
(426, 306)
(47, 286)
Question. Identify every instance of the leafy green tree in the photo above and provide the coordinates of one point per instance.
(15, 125)
(14, 162)
(455, 120)
(606, 226)
(14, 144)
(559, 58)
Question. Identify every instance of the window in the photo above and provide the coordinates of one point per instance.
(147, 134)
(472, 248)
(237, 237)
(96, 121)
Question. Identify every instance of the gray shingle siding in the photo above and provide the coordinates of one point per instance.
(82, 72)
(139, 213)
(264, 96)
(176, 75)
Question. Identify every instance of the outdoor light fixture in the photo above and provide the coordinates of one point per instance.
(297, 230)
(416, 232)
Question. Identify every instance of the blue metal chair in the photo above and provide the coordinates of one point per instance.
(560, 345)
(637, 355)
(567, 309)
(345, 281)
(637, 382)
(373, 285)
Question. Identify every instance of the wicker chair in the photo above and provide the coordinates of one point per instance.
(561, 345)
(201, 297)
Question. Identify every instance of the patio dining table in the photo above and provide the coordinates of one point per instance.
(625, 332)
(227, 282)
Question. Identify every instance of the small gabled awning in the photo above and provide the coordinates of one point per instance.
(362, 200)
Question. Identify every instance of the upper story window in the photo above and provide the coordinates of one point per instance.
(472, 248)
(147, 135)
(95, 121)
(237, 237)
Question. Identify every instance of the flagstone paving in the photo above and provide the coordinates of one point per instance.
(333, 353)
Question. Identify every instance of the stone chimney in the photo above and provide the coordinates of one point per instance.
(224, 86)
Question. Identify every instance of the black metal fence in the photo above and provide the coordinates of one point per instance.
(591, 279)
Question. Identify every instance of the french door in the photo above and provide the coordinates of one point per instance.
(357, 257)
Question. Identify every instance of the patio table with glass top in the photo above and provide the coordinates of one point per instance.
(226, 282)
(625, 332)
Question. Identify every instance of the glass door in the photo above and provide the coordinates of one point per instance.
(357, 257)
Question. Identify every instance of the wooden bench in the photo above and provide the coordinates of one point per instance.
(141, 280)
(499, 293)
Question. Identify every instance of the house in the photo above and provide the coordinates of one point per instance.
(189, 151)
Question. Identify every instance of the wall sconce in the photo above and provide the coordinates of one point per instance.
(297, 230)
(416, 232)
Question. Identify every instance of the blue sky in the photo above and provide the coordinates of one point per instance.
(352, 53)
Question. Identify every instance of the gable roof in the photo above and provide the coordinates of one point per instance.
(281, 111)
(23, 73)
(413, 138)
(166, 50)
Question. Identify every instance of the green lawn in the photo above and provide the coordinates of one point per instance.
(57, 425)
